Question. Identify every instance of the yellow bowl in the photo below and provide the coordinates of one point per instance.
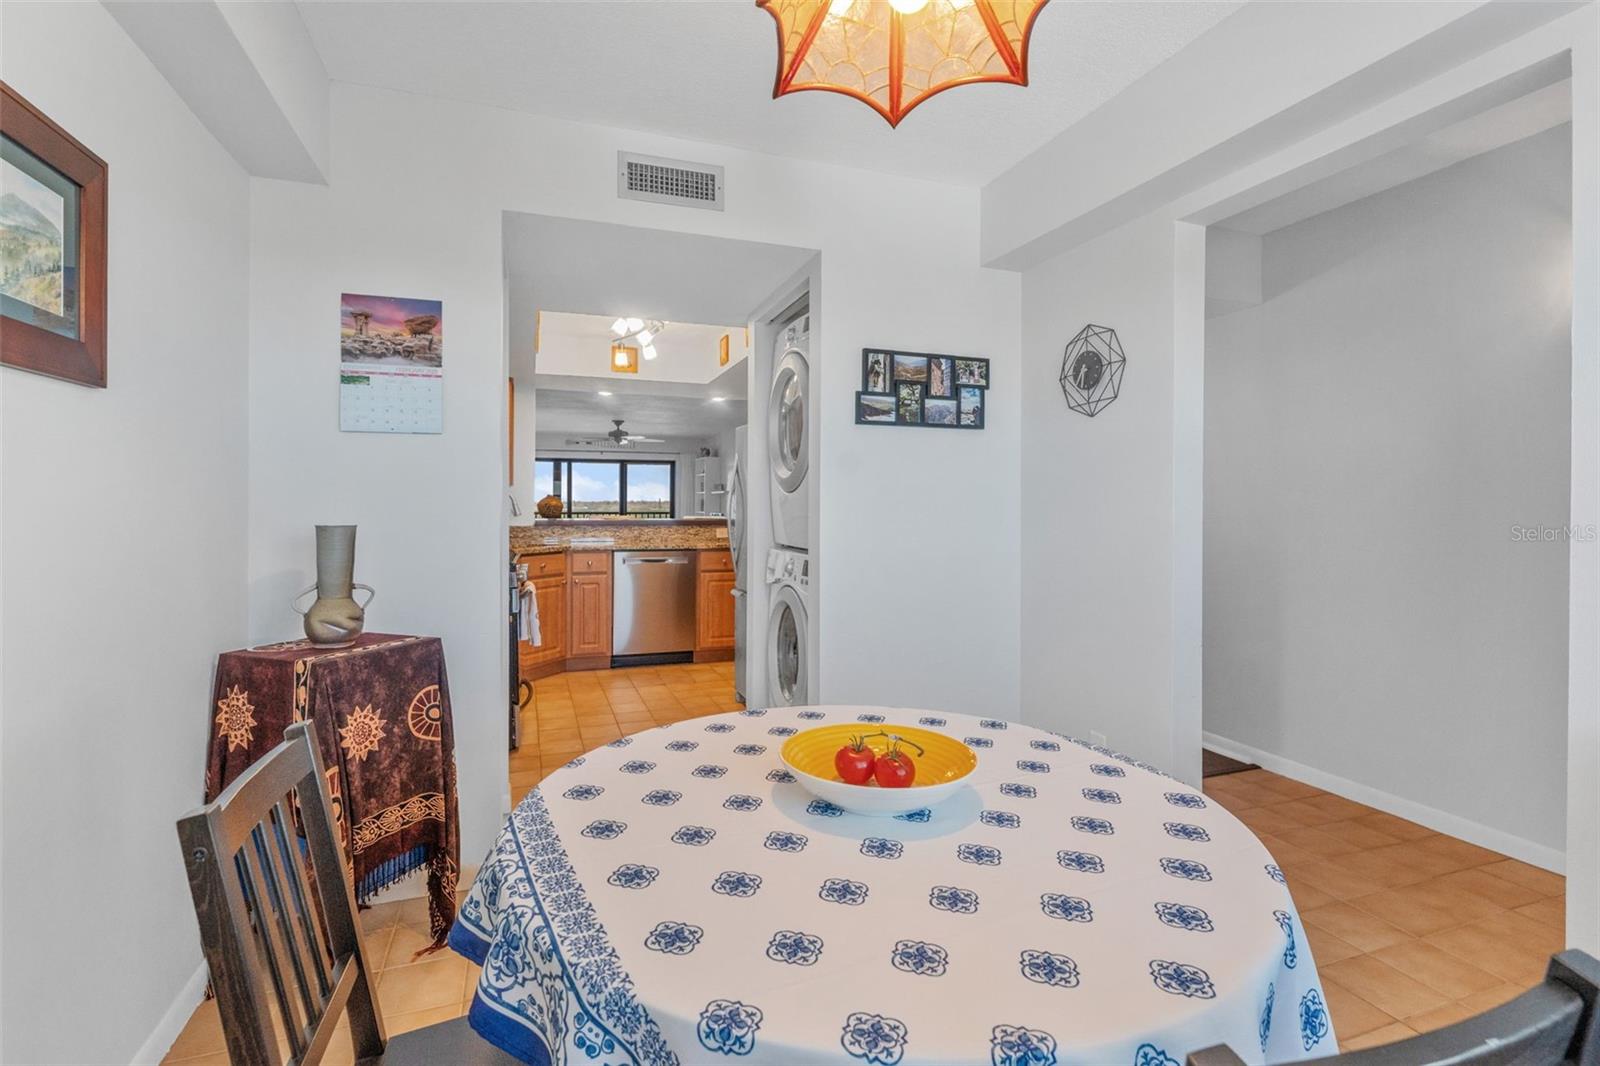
(942, 766)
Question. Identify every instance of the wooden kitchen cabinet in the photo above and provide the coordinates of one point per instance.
(714, 630)
(573, 590)
(589, 611)
(548, 573)
(546, 565)
(716, 560)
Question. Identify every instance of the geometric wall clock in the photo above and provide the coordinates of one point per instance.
(1091, 369)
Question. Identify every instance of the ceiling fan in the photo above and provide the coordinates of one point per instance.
(617, 436)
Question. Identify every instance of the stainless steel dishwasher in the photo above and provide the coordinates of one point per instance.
(652, 605)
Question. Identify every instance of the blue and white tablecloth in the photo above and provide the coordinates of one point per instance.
(675, 897)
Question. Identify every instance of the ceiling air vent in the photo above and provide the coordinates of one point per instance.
(669, 181)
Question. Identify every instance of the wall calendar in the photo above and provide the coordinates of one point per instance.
(391, 364)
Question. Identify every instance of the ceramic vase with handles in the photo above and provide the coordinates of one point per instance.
(334, 619)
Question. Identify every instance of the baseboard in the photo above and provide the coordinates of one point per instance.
(1484, 836)
(539, 671)
(165, 1034)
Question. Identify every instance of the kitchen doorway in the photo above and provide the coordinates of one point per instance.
(636, 368)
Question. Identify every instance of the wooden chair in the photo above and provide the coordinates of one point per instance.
(1557, 1022)
(284, 946)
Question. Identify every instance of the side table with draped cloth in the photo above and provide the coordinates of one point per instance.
(382, 714)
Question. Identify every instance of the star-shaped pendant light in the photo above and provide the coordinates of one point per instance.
(894, 54)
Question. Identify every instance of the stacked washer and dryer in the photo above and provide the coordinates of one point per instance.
(788, 573)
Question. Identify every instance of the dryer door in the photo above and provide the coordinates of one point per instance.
(786, 649)
(787, 411)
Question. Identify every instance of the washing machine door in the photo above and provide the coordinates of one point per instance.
(787, 658)
(787, 411)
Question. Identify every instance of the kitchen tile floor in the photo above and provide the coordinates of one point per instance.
(1411, 930)
(572, 713)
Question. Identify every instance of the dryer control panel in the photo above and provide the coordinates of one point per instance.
(792, 567)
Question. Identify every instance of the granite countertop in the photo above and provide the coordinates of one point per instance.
(544, 538)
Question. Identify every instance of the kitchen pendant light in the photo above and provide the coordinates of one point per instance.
(894, 54)
(634, 337)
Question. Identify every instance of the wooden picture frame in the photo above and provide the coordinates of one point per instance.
(908, 380)
(73, 347)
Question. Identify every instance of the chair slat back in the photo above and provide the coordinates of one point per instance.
(281, 938)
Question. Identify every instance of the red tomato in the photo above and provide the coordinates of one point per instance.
(854, 762)
(895, 770)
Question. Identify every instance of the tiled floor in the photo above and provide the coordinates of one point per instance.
(572, 713)
(411, 992)
(1411, 929)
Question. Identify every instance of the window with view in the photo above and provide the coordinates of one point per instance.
(598, 487)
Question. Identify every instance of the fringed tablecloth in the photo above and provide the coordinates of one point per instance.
(382, 714)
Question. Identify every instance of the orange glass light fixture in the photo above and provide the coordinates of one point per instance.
(894, 54)
(624, 359)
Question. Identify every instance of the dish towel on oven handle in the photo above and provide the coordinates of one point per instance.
(528, 617)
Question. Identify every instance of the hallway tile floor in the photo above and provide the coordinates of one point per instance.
(1411, 929)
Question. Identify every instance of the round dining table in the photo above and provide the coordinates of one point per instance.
(677, 896)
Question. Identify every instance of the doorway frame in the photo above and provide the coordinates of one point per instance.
(1572, 42)
(805, 283)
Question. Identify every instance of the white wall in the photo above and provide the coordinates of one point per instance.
(936, 583)
(1583, 631)
(723, 445)
(1097, 510)
(527, 417)
(1150, 267)
(123, 522)
(1375, 429)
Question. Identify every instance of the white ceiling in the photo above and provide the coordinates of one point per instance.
(600, 268)
(568, 408)
(1482, 132)
(703, 69)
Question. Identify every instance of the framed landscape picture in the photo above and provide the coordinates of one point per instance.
(921, 389)
(52, 247)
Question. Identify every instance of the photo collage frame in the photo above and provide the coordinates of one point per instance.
(922, 389)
